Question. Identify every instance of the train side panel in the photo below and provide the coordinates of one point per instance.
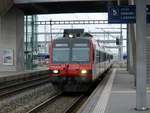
(101, 61)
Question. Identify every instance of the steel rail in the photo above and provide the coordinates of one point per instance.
(16, 83)
(71, 107)
(44, 104)
(7, 92)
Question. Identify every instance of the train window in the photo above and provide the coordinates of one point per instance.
(103, 57)
(61, 55)
(80, 54)
(97, 53)
(97, 56)
(106, 56)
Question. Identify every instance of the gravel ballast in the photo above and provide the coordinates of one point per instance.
(24, 101)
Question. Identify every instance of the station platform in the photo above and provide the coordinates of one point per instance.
(118, 95)
(14, 75)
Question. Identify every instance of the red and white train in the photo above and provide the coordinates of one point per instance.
(75, 63)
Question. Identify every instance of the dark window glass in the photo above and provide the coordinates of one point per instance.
(61, 55)
(102, 56)
(80, 54)
(97, 56)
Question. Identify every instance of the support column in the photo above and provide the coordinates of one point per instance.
(121, 44)
(12, 40)
(132, 45)
(131, 49)
(141, 103)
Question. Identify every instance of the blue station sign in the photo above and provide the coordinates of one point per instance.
(124, 14)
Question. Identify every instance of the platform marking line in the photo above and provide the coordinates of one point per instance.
(124, 92)
(103, 99)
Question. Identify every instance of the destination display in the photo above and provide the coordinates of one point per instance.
(125, 14)
(61, 45)
(81, 45)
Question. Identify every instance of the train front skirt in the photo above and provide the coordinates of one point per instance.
(71, 84)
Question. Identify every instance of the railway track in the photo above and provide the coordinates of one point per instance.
(60, 103)
(14, 87)
(54, 102)
(44, 104)
(73, 103)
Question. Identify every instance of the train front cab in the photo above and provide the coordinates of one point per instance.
(71, 61)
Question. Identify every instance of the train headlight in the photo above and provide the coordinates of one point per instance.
(55, 71)
(70, 35)
(83, 71)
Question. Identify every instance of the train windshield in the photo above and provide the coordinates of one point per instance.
(71, 52)
(80, 54)
(61, 55)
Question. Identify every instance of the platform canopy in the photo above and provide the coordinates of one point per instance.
(65, 6)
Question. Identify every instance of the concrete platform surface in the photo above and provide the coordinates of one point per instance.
(8, 73)
(122, 95)
(13, 75)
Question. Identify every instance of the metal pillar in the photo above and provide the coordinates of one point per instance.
(141, 103)
(51, 30)
(133, 49)
(28, 48)
(118, 2)
(26, 40)
(32, 41)
(45, 39)
(121, 44)
(128, 52)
